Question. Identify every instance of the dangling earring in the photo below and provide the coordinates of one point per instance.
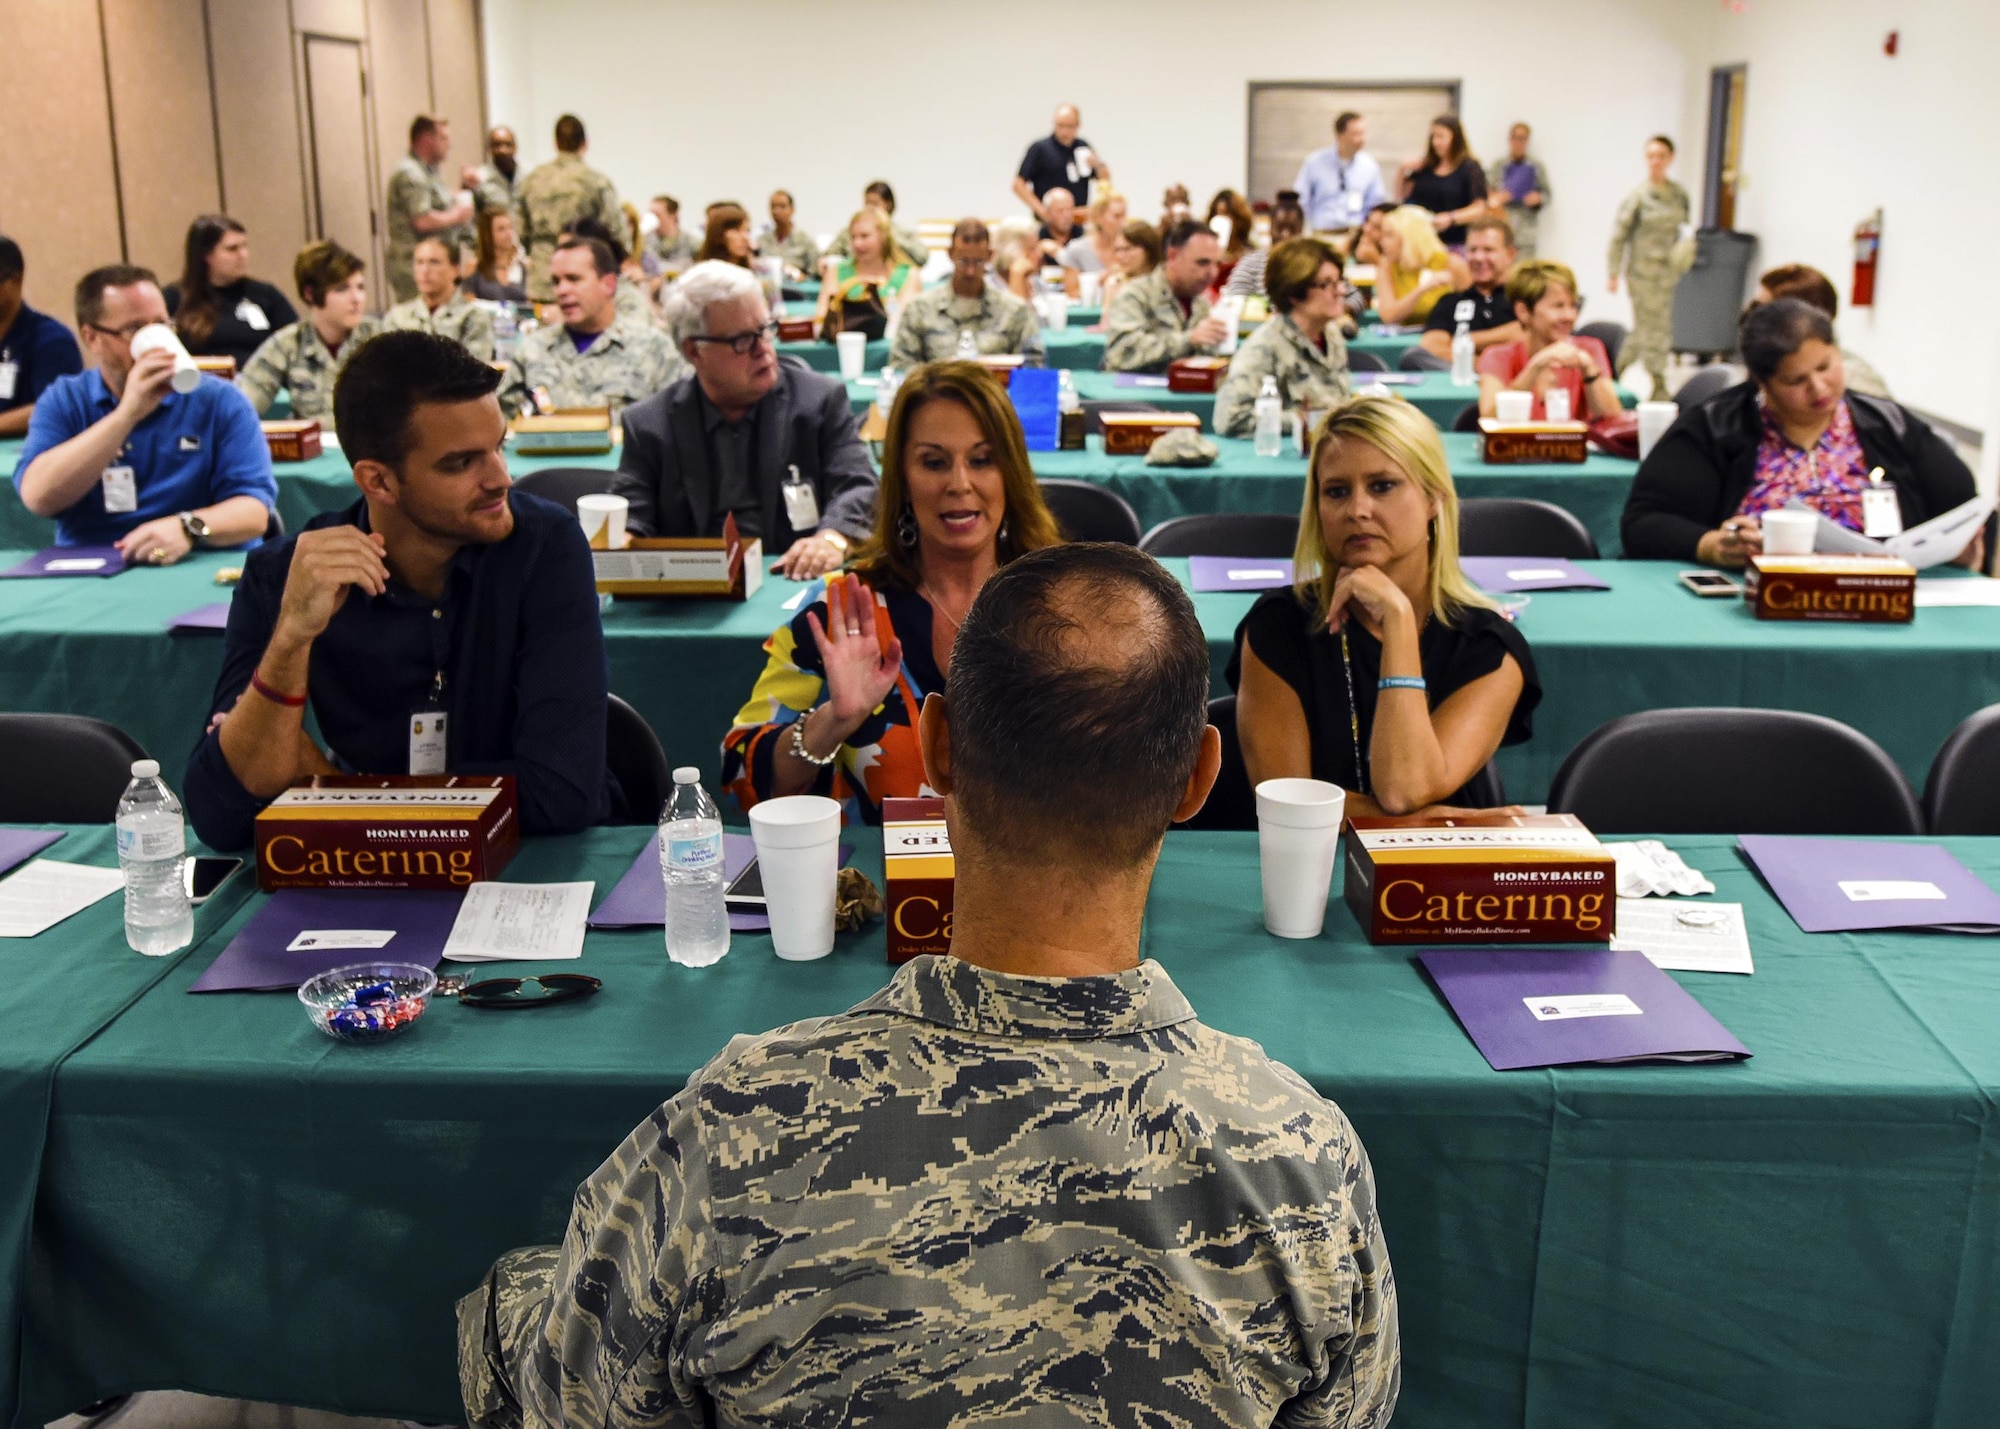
(1006, 529)
(906, 527)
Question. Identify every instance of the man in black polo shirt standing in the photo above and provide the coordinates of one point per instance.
(1060, 161)
(1483, 307)
(440, 591)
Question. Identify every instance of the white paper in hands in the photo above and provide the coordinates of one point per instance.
(39, 896)
(1940, 539)
(1684, 937)
(519, 922)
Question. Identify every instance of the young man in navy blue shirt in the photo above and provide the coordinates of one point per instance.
(441, 591)
(35, 349)
(118, 457)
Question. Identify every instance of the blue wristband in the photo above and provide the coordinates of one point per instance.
(1400, 682)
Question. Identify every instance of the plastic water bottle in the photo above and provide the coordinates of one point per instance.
(504, 331)
(1270, 413)
(1461, 358)
(152, 844)
(1067, 398)
(968, 346)
(691, 863)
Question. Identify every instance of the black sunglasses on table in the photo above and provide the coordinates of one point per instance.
(504, 993)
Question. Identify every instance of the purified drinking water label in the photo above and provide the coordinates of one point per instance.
(693, 855)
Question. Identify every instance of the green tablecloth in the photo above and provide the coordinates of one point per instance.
(57, 991)
(99, 647)
(1079, 348)
(234, 1204)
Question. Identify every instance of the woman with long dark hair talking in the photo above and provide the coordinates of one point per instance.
(218, 308)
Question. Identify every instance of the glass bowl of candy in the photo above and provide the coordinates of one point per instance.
(368, 1002)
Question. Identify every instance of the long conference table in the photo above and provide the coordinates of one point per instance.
(224, 1200)
(1239, 480)
(101, 647)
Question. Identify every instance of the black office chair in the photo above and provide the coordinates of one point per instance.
(1962, 794)
(1093, 413)
(1087, 512)
(1365, 361)
(1518, 526)
(1611, 334)
(1733, 771)
(63, 769)
(1256, 535)
(1231, 803)
(564, 484)
(638, 763)
(1415, 359)
(1467, 419)
(1706, 383)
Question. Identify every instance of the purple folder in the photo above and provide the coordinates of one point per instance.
(1502, 575)
(1550, 1007)
(213, 616)
(17, 846)
(69, 561)
(1846, 885)
(1138, 379)
(256, 959)
(1211, 573)
(639, 899)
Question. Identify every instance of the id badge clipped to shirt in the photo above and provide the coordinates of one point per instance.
(801, 504)
(1881, 515)
(121, 490)
(10, 376)
(427, 741)
(252, 316)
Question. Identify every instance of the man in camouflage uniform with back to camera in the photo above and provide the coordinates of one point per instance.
(1648, 228)
(554, 196)
(419, 205)
(1165, 315)
(1022, 1184)
(592, 358)
(971, 303)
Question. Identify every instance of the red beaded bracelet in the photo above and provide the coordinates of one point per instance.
(290, 702)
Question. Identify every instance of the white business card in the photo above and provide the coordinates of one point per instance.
(1582, 1004)
(1891, 890)
(313, 939)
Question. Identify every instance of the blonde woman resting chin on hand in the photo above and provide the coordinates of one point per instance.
(1384, 669)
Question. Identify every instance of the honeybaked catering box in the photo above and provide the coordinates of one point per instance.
(1133, 433)
(1874, 590)
(1509, 443)
(222, 366)
(1196, 374)
(579, 433)
(297, 439)
(917, 866)
(724, 565)
(1480, 878)
(391, 831)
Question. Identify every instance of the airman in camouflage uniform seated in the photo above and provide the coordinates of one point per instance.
(439, 307)
(971, 303)
(592, 358)
(1164, 315)
(1300, 345)
(304, 358)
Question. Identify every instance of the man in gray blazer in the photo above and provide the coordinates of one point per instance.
(729, 436)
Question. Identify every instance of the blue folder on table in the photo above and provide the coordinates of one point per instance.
(261, 958)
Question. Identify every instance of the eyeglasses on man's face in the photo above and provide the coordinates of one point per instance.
(746, 342)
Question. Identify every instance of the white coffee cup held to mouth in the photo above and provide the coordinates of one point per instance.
(1789, 533)
(158, 336)
(603, 518)
(798, 856)
(1298, 836)
(1514, 407)
(853, 348)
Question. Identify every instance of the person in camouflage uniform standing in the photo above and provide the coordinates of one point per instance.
(1165, 315)
(1023, 1184)
(970, 303)
(1300, 345)
(554, 196)
(1644, 241)
(439, 307)
(592, 358)
(304, 358)
(419, 205)
(500, 181)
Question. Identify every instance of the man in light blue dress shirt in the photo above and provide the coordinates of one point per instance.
(1338, 185)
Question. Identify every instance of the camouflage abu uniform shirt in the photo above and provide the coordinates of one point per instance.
(551, 198)
(998, 321)
(797, 249)
(1145, 328)
(972, 1199)
(415, 190)
(468, 324)
(626, 362)
(294, 359)
(1306, 376)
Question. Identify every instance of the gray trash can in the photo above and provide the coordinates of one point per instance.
(1710, 296)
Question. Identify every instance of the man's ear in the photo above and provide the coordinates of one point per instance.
(1207, 765)
(934, 739)
(376, 480)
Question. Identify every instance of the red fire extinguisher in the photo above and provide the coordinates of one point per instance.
(1867, 249)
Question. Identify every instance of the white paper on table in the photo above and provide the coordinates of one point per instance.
(1654, 927)
(1647, 866)
(1940, 539)
(39, 896)
(1972, 590)
(519, 922)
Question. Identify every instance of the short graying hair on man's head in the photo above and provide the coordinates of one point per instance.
(702, 285)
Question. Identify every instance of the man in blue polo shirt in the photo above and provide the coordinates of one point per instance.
(35, 349)
(441, 593)
(119, 458)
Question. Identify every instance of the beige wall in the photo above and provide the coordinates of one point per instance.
(128, 126)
